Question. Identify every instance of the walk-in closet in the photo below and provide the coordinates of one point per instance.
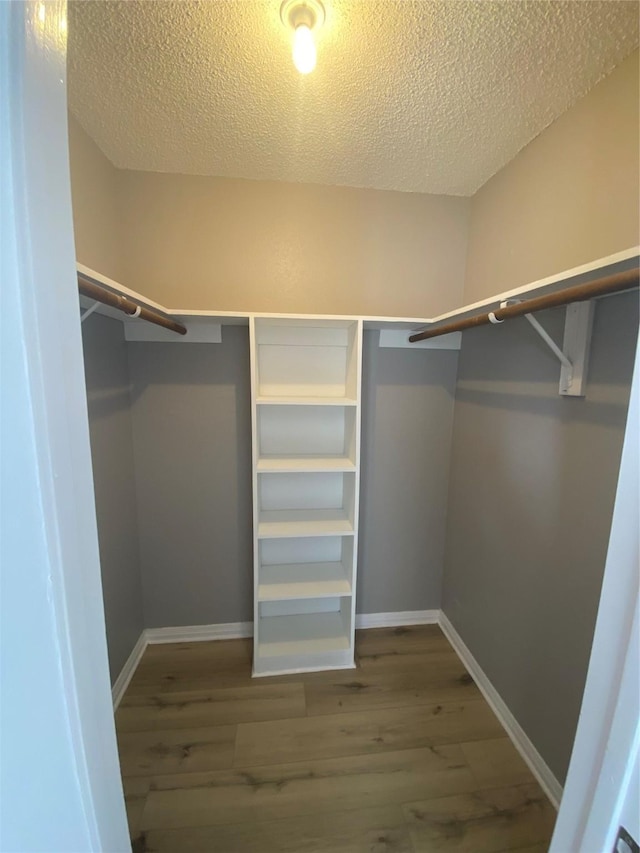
(358, 347)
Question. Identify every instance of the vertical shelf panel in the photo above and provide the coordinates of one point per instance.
(306, 388)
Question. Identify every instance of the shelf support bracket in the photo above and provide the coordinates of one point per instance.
(88, 312)
(576, 346)
(574, 354)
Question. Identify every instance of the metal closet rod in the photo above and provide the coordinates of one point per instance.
(615, 283)
(92, 290)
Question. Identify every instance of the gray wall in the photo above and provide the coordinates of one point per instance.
(407, 415)
(107, 381)
(192, 438)
(533, 479)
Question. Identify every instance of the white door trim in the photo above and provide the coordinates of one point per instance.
(65, 644)
(47, 291)
(607, 727)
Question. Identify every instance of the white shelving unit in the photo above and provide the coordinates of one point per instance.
(305, 388)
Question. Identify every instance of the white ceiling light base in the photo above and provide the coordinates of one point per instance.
(295, 13)
(303, 17)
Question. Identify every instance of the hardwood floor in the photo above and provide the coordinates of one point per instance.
(401, 754)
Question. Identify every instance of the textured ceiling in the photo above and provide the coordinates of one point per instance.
(420, 96)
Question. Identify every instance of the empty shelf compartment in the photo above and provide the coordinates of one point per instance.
(306, 358)
(306, 438)
(303, 580)
(325, 627)
(306, 504)
(319, 567)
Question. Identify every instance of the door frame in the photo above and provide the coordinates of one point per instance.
(54, 613)
(606, 744)
(46, 280)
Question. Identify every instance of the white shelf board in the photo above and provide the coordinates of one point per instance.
(304, 522)
(302, 580)
(303, 464)
(305, 401)
(309, 633)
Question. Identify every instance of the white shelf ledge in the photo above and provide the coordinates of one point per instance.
(306, 401)
(309, 633)
(303, 464)
(306, 522)
(302, 580)
(604, 265)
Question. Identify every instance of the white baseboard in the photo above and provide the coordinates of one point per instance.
(537, 765)
(395, 620)
(126, 674)
(196, 633)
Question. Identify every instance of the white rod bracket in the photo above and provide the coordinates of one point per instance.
(88, 312)
(576, 345)
(546, 337)
(553, 346)
(574, 354)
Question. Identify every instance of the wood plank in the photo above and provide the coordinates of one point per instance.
(165, 668)
(427, 638)
(195, 709)
(543, 847)
(445, 681)
(217, 648)
(360, 831)
(394, 660)
(499, 819)
(210, 650)
(496, 763)
(188, 679)
(302, 788)
(169, 666)
(177, 751)
(364, 732)
(135, 795)
(406, 647)
(202, 680)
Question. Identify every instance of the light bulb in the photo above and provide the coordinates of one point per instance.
(304, 49)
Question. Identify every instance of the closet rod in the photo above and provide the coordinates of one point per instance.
(92, 290)
(578, 293)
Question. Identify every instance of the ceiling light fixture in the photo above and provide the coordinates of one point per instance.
(303, 16)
